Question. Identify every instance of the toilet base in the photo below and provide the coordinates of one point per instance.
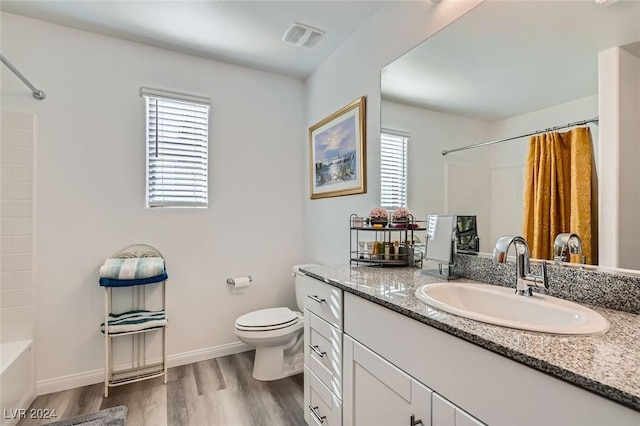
(271, 363)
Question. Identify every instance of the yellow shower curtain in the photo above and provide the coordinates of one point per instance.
(558, 191)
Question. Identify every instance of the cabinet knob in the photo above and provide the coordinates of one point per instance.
(413, 421)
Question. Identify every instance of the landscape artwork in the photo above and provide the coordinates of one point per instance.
(337, 153)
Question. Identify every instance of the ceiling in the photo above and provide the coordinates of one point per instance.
(246, 33)
(507, 58)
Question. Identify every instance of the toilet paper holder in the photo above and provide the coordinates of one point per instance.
(232, 281)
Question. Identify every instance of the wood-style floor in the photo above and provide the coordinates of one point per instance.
(217, 392)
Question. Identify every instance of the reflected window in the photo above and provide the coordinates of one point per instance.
(393, 169)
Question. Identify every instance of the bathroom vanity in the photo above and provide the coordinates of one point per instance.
(379, 356)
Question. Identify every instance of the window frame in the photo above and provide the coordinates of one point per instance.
(404, 139)
(197, 202)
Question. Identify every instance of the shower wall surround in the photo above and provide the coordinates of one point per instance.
(16, 214)
(600, 287)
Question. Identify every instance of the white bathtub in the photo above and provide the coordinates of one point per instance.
(17, 382)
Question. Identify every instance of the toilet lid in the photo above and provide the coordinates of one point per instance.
(267, 318)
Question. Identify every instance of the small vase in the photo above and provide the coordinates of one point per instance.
(400, 222)
(378, 221)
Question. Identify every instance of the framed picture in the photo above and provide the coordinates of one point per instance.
(337, 153)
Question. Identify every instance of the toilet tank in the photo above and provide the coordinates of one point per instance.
(299, 284)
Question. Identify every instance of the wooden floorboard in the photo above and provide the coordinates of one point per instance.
(216, 392)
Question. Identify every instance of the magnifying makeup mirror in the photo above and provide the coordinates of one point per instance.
(440, 245)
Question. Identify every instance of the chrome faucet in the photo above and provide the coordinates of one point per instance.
(565, 245)
(526, 280)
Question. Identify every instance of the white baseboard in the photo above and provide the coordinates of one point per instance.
(207, 353)
(86, 378)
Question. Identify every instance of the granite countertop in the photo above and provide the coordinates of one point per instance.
(607, 364)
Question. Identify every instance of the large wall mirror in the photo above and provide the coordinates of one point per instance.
(502, 70)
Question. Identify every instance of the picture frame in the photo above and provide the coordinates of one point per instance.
(337, 153)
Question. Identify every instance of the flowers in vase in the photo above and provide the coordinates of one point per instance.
(400, 213)
(379, 213)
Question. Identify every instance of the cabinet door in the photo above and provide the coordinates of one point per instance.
(464, 419)
(378, 393)
(447, 414)
(421, 402)
(443, 412)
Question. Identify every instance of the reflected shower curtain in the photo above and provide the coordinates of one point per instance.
(558, 191)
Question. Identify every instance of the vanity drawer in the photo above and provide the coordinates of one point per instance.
(321, 407)
(323, 351)
(323, 300)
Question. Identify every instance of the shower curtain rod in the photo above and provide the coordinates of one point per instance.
(37, 93)
(537, 132)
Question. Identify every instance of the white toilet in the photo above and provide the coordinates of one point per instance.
(277, 334)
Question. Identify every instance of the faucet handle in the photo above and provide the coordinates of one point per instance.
(540, 281)
(545, 280)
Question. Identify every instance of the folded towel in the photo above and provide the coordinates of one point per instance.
(135, 321)
(113, 282)
(134, 268)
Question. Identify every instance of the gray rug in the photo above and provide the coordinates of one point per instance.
(116, 416)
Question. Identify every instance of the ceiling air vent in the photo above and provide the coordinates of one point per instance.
(302, 35)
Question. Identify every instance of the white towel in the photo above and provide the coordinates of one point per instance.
(135, 321)
(134, 268)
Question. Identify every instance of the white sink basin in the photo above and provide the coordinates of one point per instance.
(501, 306)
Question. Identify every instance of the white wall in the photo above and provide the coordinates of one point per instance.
(515, 152)
(629, 172)
(619, 88)
(91, 187)
(17, 311)
(608, 91)
(466, 195)
(353, 71)
(451, 184)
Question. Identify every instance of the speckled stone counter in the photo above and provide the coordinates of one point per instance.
(607, 364)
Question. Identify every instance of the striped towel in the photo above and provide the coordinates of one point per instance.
(135, 268)
(137, 320)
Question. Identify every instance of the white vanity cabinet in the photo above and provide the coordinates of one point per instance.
(323, 300)
(347, 383)
(321, 406)
(483, 385)
(378, 393)
(322, 353)
(444, 413)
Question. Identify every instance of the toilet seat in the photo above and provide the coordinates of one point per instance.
(268, 320)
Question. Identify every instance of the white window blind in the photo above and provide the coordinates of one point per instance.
(393, 170)
(177, 129)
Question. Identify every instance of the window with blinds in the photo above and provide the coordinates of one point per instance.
(177, 133)
(393, 170)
